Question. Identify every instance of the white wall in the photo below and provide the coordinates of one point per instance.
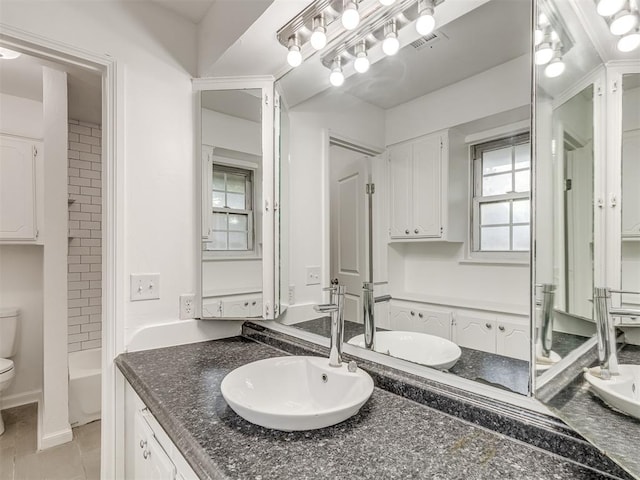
(156, 54)
(20, 116)
(343, 115)
(232, 133)
(21, 286)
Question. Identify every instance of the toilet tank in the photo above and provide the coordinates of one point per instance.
(8, 331)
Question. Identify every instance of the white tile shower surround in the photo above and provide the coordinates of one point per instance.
(85, 236)
(19, 459)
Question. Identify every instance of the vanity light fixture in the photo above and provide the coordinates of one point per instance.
(623, 22)
(538, 36)
(350, 15)
(386, 3)
(544, 53)
(629, 42)
(318, 38)
(606, 8)
(390, 44)
(556, 66)
(6, 54)
(294, 57)
(361, 64)
(426, 22)
(336, 77)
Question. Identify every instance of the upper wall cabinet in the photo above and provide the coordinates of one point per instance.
(18, 189)
(237, 203)
(427, 194)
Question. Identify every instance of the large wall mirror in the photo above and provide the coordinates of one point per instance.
(587, 215)
(236, 201)
(412, 181)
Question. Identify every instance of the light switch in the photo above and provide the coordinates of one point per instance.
(145, 286)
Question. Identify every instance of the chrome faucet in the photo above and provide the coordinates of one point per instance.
(605, 327)
(368, 305)
(336, 308)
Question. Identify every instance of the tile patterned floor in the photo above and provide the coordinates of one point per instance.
(20, 460)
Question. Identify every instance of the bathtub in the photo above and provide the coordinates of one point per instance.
(85, 386)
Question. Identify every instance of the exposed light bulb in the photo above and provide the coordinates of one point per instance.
(543, 20)
(361, 63)
(294, 57)
(538, 36)
(623, 22)
(391, 45)
(6, 54)
(554, 36)
(606, 8)
(318, 38)
(555, 68)
(336, 78)
(386, 3)
(544, 54)
(426, 22)
(629, 42)
(350, 16)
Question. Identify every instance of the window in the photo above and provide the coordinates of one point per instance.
(501, 195)
(231, 209)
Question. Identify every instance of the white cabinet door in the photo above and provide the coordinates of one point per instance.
(630, 182)
(401, 319)
(236, 308)
(17, 189)
(475, 331)
(434, 323)
(512, 339)
(150, 460)
(400, 175)
(427, 208)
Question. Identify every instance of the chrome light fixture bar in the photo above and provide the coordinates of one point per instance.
(623, 20)
(552, 41)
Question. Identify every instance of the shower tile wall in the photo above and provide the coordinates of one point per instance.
(85, 236)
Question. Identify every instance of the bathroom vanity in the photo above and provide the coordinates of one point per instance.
(178, 390)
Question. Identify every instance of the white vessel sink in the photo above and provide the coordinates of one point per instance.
(622, 392)
(296, 393)
(416, 347)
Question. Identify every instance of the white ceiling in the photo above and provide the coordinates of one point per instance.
(192, 10)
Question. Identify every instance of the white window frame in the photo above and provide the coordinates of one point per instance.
(476, 150)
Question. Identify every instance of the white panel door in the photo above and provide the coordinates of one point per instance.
(475, 331)
(427, 160)
(400, 194)
(512, 340)
(17, 189)
(349, 227)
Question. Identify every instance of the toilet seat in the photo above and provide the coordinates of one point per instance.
(6, 365)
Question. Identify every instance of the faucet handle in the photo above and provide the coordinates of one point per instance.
(330, 289)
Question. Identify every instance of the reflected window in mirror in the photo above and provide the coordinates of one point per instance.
(501, 196)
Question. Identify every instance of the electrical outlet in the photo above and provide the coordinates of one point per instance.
(292, 294)
(187, 306)
(145, 286)
(313, 276)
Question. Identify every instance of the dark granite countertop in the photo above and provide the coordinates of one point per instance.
(613, 432)
(390, 438)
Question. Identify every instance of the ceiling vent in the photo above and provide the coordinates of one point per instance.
(428, 40)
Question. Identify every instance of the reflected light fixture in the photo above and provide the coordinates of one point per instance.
(606, 8)
(629, 42)
(386, 3)
(544, 54)
(623, 22)
(294, 57)
(361, 63)
(556, 67)
(390, 44)
(318, 38)
(538, 36)
(336, 77)
(350, 15)
(426, 22)
(6, 54)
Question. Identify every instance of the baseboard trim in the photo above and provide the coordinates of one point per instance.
(56, 438)
(19, 399)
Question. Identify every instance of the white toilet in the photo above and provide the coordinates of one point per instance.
(8, 343)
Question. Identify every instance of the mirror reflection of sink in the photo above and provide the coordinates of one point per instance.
(621, 392)
(296, 393)
(544, 363)
(415, 347)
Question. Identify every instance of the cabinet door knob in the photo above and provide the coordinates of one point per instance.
(488, 325)
(501, 328)
(246, 304)
(143, 443)
(406, 231)
(416, 231)
(413, 314)
(420, 315)
(146, 454)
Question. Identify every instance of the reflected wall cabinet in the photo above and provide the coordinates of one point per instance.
(427, 193)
